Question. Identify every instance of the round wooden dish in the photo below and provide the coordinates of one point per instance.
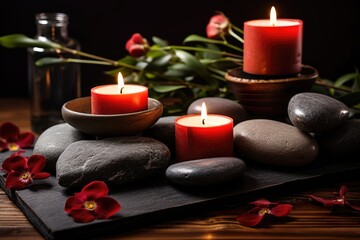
(77, 113)
(268, 96)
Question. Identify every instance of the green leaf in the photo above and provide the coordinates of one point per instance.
(159, 63)
(345, 78)
(43, 62)
(195, 65)
(20, 40)
(167, 88)
(350, 99)
(197, 38)
(179, 70)
(160, 42)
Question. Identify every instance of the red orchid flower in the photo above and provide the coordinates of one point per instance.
(92, 203)
(21, 171)
(338, 200)
(218, 26)
(12, 139)
(137, 45)
(263, 207)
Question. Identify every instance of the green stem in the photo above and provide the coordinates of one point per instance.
(237, 29)
(317, 82)
(80, 53)
(200, 50)
(75, 60)
(235, 35)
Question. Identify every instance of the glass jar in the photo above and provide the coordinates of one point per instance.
(51, 86)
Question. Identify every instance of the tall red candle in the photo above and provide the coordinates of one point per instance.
(119, 98)
(273, 46)
(196, 139)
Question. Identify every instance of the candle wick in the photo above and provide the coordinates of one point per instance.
(121, 90)
(203, 121)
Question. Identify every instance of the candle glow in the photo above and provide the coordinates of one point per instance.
(273, 18)
(121, 83)
(203, 113)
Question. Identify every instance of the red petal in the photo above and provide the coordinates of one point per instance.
(95, 190)
(249, 220)
(281, 210)
(14, 163)
(343, 191)
(13, 181)
(219, 19)
(212, 31)
(355, 207)
(137, 38)
(82, 215)
(40, 175)
(137, 50)
(326, 202)
(18, 153)
(106, 207)
(9, 132)
(26, 140)
(262, 202)
(36, 163)
(75, 202)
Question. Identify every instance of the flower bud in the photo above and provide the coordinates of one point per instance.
(218, 26)
(137, 45)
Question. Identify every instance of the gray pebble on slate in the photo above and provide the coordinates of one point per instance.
(315, 112)
(53, 141)
(207, 171)
(164, 131)
(274, 143)
(222, 106)
(343, 142)
(116, 161)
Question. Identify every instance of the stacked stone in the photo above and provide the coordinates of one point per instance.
(317, 126)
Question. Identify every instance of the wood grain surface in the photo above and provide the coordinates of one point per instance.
(308, 220)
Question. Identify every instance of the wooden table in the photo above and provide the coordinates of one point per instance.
(307, 221)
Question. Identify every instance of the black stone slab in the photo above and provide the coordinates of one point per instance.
(142, 203)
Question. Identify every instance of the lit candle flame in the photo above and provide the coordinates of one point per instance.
(273, 17)
(121, 84)
(203, 113)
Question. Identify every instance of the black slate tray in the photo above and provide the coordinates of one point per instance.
(142, 203)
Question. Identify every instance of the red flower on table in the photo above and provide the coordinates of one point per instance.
(92, 203)
(22, 171)
(12, 139)
(339, 199)
(137, 45)
(263, 207)
(218, 26)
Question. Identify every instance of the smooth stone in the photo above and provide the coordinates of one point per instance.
(53, 141)
(207, 171)
(341, 143)
(164, 131)
(315, 112)
(274, 143)
(222, 106)
(115, 161)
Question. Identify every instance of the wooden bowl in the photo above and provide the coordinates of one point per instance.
(269, 97)
(77, 113)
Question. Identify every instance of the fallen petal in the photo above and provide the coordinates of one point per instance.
(249, 219)
(106, 207)
(281, 210)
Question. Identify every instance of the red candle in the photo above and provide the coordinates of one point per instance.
(273, 46)
(203, 136)
(119, 98)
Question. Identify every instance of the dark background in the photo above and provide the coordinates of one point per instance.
(331, 41)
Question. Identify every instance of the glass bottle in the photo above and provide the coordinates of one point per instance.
(50, 87)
